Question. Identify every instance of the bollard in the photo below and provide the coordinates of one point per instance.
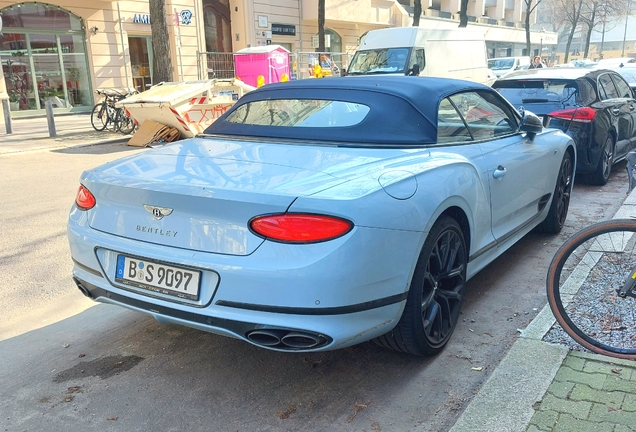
(50, 119)
(7, 116)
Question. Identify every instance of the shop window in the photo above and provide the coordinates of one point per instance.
(140, 61)
(216, 20)
(335, 42)
(43, 56)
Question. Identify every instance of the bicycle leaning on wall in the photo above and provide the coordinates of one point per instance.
(106, 116)
(591, 285)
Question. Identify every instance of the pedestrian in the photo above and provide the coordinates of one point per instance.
(536, 63)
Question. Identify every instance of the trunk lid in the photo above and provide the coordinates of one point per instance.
(200, 194)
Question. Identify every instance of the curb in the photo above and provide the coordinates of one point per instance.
(505, 403)
(56, 146)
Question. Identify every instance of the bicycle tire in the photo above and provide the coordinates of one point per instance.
(582, 287)
(113, 122)
(99, 117)
(125, 123)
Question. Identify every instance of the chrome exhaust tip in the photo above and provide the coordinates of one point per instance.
(287, 339)
(300, 340)
(264, 337)
(83, 289)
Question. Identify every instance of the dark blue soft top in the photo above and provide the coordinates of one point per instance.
(403, 110)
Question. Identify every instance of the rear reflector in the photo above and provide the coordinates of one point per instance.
(300, 228)
(84, 199)
(582, 115)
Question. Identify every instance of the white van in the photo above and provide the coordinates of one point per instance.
(502, 65)
(451, 53)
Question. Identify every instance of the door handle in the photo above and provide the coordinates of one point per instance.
(499, 173)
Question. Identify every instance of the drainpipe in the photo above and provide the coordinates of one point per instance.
(300, 24)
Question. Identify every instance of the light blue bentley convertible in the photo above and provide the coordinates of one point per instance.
(319, 214)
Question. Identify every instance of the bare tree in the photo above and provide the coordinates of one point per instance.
(531, 5)
(417, 11)
(161, 64)
(597, 12)
(589, 20)
(555, 10)
(321, 25)
(572, 10)
(463, 13)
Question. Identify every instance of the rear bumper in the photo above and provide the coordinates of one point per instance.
(303, 335)
(338, 292)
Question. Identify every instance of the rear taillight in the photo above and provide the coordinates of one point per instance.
(84, 199)
(582, 115)
(300, 228)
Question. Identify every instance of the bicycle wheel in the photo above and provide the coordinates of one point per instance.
(124, 122)
(99, 117)
(112, 124)
(591, 288)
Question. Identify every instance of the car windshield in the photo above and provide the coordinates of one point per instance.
(299, 113)
(563, 92)
(379, 61)
(501, 64)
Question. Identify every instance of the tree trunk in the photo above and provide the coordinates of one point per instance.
(417, 11)
(590, 27)
(161, 64)
(463, 13)
(568, 44)
(528, 12)
(576, 13)
(321, 25)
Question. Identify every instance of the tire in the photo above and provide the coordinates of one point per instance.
(113, 122)
(604, 167)
(583, 284)
(99, 117)
(435, 296)
(125, 123)
(558, 212)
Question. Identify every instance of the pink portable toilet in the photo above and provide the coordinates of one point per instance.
(270, 61)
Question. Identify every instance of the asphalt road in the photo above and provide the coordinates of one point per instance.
(70, 364)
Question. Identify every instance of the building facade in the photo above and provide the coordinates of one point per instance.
(64, 50)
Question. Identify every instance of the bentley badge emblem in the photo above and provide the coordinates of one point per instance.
(158, 212)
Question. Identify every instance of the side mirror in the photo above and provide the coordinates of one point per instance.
(415, 71)
(531, 124)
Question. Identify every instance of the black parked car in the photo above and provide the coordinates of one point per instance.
(595, 107)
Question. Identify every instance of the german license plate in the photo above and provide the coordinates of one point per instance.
(157, 277)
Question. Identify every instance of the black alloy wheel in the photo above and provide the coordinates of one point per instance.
(561, 199)
(604, 167)
(435, 297)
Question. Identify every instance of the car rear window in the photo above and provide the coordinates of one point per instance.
(299, 113)
(563, 92)
(501, 64)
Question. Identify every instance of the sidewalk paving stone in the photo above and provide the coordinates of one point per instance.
(565, 390)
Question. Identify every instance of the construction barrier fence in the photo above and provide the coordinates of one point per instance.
(302, 64)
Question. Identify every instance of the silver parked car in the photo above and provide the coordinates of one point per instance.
(322, 213)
